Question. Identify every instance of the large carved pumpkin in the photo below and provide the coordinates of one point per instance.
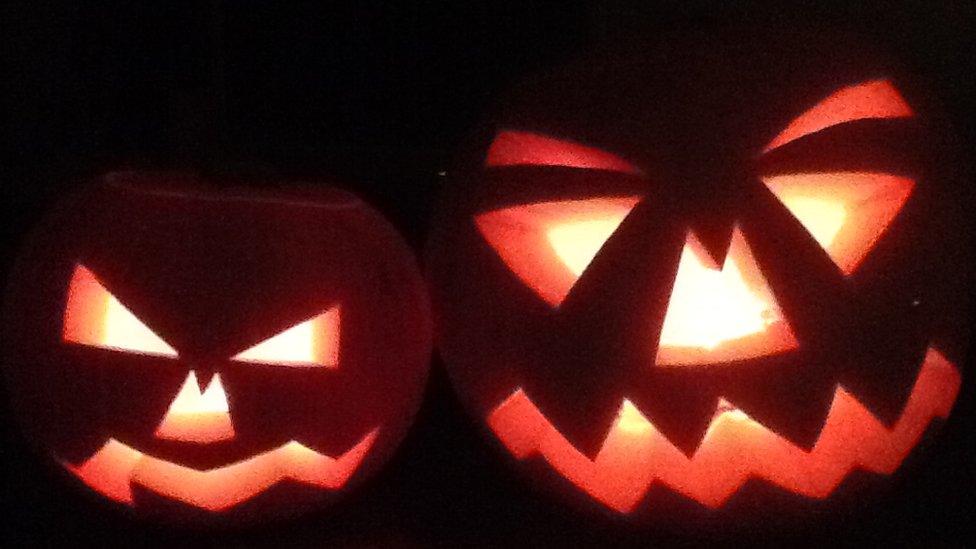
(210, 353)
(728, 259)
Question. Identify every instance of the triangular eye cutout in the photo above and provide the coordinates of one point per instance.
(94, 317)
(872, 99)
(517, 148)
(721, 315)
(314, 342)
(846, 212)
(548, 245)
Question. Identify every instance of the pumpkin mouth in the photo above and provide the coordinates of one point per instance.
(116, 466)
(634, 455)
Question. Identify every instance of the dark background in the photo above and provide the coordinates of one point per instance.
(379, 96)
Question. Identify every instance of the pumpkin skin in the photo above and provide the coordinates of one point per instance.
(706, 268)
(218, 355)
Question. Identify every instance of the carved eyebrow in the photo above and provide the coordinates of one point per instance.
(871, 99)
(518, 148)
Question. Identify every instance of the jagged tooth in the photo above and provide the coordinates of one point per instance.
(679, 410)
(810, 289)
(881, 381)
(582, 413)
(203, 378)
(791, 404)
(716, 238)
(762, 454)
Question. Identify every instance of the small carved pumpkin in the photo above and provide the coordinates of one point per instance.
(729, 259)
(215, 353)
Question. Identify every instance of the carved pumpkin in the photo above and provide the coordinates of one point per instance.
(214, 353)
(704, 265)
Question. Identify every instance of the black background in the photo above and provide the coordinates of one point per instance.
(379, 96)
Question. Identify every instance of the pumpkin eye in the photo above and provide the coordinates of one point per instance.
(517, 148)
(94, 317)
(548, 245)
(872, 99)
(845, 212)
(720, 314)
(314, 342)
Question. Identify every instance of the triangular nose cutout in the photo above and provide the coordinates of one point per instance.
(721, 315)
(197, 417)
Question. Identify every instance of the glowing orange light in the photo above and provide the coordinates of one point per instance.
(873, 99)
(576, 243)
(314, 342)
(846, 212)
(735, 448)
(549, 244)
(196, 417)
(93, 316)
(717, 315)
(512, 148)
(113, 469)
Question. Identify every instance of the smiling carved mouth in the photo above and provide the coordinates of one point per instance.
(112, 470)
(735, 447)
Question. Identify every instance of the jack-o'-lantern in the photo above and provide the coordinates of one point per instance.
(203, 353)
(729, 258)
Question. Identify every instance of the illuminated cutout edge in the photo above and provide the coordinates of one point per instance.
(720, 315)
(845, 212)
(309, 343)
(871, 99)
(95, 318)
(196, 417)
(735, 448)
(521, 148)
(522, 237)
(115, 466)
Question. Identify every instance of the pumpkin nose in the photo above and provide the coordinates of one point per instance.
(197, 417)
(721, 313)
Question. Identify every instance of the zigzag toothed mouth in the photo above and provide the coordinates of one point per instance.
(116, 466)
(634, 454)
